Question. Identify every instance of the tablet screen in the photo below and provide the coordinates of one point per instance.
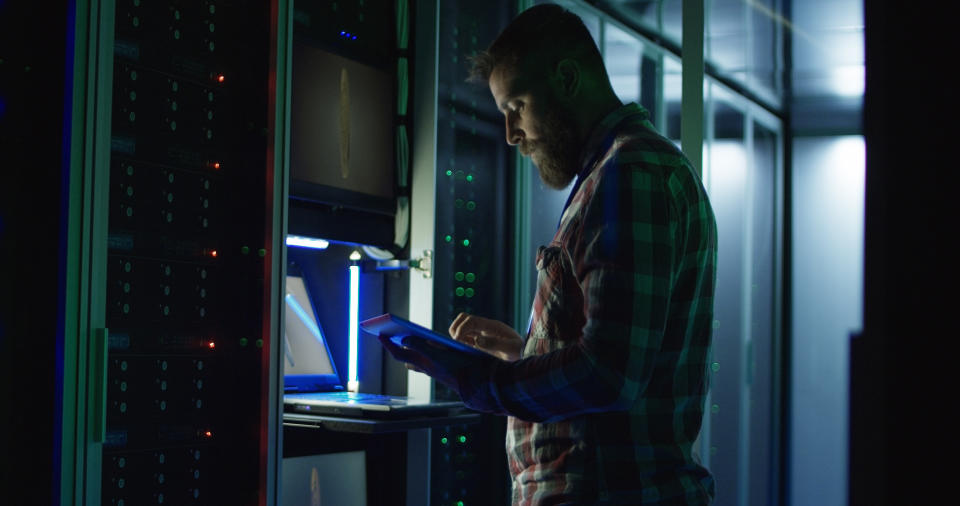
(397, 328)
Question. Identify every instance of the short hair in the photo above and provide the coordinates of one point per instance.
(546, 30)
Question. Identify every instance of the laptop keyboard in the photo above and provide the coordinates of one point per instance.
(355, 397)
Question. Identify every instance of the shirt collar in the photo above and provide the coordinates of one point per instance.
(603, 133)
(598, 142)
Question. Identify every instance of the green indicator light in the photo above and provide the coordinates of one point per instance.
(459, 503)
(243, 341)
(448, 238)
(471, 277)
(449, 172)
(259, 343)
(444, 440)
(466, 242)
(715, 366)
(463, 439)
(460, 291)
(470, 177)
(458, 276)
(471, 205)
(469, 292)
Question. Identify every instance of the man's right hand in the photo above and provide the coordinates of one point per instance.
(492, 336)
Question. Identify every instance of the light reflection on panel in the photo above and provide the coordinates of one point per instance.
(332, 478)
(727, 190)
(827, 48)
(827, 300)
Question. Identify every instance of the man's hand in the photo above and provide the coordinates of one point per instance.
(494, 337)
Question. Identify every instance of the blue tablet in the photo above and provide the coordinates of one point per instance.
(397, 329)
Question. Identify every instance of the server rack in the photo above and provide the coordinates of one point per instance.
(472, 260)
(176, 182)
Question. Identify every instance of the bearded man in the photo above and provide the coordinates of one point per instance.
(605, 393)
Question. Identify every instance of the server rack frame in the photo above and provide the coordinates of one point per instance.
(84, 349)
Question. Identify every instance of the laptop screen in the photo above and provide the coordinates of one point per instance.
(306, 358)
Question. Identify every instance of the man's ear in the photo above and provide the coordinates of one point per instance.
(568, 77)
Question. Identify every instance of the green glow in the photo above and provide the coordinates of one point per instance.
(448, 238)
(470, 177)
(459, 291)
(463, 439)
(444, 440)
(471, 277)
(449, 172)
(459, 503)
(458, 276)
(466, 242)
(469, 292)
(715, 366)
(471, 205)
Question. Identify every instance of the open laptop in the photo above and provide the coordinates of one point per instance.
(311, 383)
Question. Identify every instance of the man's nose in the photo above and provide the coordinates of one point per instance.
(514, 134)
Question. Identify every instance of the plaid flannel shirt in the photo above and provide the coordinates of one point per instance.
(608, 398)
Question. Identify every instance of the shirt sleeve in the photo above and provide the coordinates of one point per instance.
(623, 257)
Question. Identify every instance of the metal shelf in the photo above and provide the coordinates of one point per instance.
(370, 426)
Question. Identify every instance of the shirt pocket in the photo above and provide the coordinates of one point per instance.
(557, 317)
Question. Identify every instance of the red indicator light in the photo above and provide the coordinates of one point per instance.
(212, 345)
(208, 434)
(216, 165)
(213, 253)
(221, 78)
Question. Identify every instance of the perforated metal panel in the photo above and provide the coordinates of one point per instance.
(473, 270)
(188, 253)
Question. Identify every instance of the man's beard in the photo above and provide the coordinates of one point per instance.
(557, 153)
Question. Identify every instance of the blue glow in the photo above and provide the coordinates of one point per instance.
(304, 317)
(354, 37)
(307, 242)
(354, 315)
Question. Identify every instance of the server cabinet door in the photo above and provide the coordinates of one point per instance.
(177, 191)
